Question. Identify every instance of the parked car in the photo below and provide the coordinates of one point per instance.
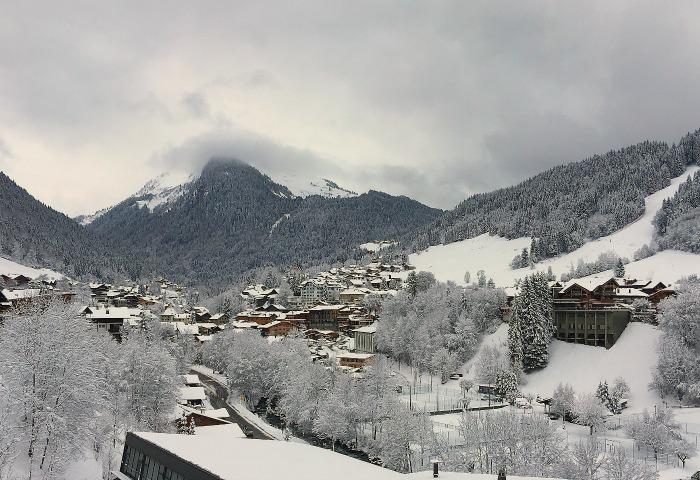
(554, 416)
(455, 376)
(521, 402)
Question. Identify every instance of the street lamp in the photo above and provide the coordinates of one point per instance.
(435, 460)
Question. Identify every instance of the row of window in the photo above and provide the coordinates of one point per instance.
(141, 467)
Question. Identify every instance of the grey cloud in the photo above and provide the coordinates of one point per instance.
(435, 100)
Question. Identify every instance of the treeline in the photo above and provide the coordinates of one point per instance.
(435, 327)
(35, 235)
(569, 204)
(68, 392)
(677, 223)
(222, 226)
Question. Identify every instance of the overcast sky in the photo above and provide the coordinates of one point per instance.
(434, 100)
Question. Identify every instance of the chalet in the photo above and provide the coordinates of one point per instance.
(261, 318)
(14, 298)
(15, 280)
(201, 314)
(111, 319)
(659, 295)
(355, 360)
(587, 311)
(168, 315)
(202, 339)
(98, 291)
(219, 318)
(207, 328)
(277, 328)
(352, 296)
(207, 418)
(653, 287)
(365, 339)
(324, 317)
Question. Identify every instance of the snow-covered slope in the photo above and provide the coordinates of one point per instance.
(10, 267)
(632, 357)
(160, 190)
(302, 186)
(493, 254)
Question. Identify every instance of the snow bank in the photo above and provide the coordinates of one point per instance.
(9, 267)
(493, 254)
(633, 357)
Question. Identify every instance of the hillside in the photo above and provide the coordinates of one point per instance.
(493, 254)
(232, 218)
(34, 234)
(566, 206)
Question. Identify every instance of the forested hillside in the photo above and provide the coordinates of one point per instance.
(678, 222)
(233, 218)
(567, 205)
(35, 235)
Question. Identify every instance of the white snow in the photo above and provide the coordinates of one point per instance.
(9, 267)
(264, 459)
(493, 254)
(279, 220)
(633, 357)
(163, 189)
(373, 247)
(302, 186)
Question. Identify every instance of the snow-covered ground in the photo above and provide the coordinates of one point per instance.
(493, 254)
(633, 358)
(10, 267)
(376, 246)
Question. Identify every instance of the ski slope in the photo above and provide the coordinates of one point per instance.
(10, 267)
(493, 254)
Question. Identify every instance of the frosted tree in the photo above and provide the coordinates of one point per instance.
(151, 381)
(620, 466)
(52, 371)
(467, 278)
(619, 269)
(533, 317)
(563, 399)
(590, 412)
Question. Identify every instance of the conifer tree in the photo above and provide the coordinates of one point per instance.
(620, 269)
(532, 316)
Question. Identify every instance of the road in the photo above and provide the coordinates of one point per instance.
(218, 395)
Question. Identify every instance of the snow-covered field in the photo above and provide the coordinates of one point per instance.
(493, 254)
(10, 267)
(632, 357)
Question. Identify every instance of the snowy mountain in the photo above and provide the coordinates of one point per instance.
(493, 253)
(232, 218)
(158, 191)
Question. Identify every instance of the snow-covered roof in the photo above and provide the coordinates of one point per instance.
(210, 448)
(191, 379)
(181, 327)
(589, 283)
(191, 393)
(217, 413)
(21, 294)
(367, 329)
